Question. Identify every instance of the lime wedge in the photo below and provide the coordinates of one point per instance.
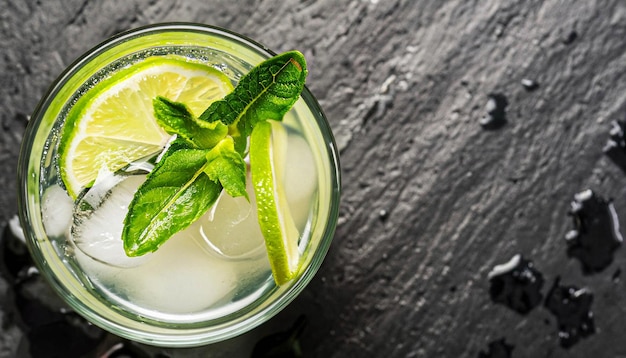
(277, 225)
(113, 123)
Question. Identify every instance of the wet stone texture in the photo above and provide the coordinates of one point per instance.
(432, 199)
(497, 349)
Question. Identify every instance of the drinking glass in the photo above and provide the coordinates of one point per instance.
(233, 54)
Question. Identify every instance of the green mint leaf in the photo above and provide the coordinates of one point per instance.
(175, 194)
(268, 91)
(226, 166)
(175, 118)
(206, 157)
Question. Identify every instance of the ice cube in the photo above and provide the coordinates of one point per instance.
(56, 209)
(179, 278)
(231, 229)
(99, 218)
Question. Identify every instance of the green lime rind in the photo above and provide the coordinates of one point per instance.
(76, 114)
(277, 225)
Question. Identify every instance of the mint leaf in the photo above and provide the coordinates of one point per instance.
(175, 194)
(226, 166)
(206, 157)
(175, 118)
(268, 91)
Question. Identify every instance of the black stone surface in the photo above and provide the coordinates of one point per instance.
(497, 349)
(404, 86)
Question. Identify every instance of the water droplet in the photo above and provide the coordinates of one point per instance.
(596, 232)
(529, 84)
(615, 147)
(570, 38)
(572, 308)
(616, 275)
(496, 111)
(516, 284)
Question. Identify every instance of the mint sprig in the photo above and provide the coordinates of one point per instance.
(268, 91)
(176, 118)
(207, 155)
(175, 194)
(226, 166)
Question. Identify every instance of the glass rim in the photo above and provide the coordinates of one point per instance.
(175, 338)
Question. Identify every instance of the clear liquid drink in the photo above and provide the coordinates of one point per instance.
(210, 281)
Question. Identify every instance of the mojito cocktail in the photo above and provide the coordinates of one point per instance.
(166, 197)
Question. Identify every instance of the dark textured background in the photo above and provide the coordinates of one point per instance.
(404, 85)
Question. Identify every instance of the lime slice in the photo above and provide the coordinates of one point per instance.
(113, 123)
(277, 225)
